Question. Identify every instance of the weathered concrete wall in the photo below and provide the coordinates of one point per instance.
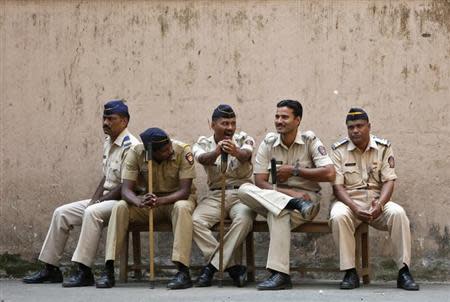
(175, 61)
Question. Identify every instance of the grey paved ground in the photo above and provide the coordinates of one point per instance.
(15, 290)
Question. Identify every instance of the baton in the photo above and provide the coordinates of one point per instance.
(273, 172)
(223, 169)
(148, 158)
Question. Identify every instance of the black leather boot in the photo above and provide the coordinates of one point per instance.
(307, 208)
(205, 279)
(82, 277)
(238, 273)
(49, 273)
(106, 279)
(181, 280)
(276, 281)
(405, 280)
(351, 279)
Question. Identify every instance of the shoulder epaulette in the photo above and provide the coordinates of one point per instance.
(340, 143)
(308, 135)
(126, 143)
(202, 140)
(382, 141)
(270, 138)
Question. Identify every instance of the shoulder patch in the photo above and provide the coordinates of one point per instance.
(190, 158)
(308, 135)
(270, 138)
(382, 141)
(340, 143)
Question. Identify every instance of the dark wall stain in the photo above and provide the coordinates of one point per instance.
(260, 22)
(405, 72)
(404, 17)
(443, 241)
(163, 23)
(186, 17)
(239, 18)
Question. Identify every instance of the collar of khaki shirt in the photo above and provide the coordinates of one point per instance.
(298, 140)
(120, 138)
(372, 144)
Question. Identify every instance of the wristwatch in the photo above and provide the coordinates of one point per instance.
(296, 170)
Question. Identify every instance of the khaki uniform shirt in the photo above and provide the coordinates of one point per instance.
(237, 172)
(367, 170)
(113, 157)
(307, 151)
(166, 175)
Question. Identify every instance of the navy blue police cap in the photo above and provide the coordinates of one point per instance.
(156, 136)
(223, 111)
(356, 114)
(116, 106)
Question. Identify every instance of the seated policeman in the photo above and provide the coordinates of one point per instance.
(363, 187)
(173, 199)
(303, 164)
(92, 214)
(238, 170)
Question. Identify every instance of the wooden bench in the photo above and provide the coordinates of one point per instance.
(361, 253)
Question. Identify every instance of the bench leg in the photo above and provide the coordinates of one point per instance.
(358, 251)
(123, 269)
(137, 254)
(250, 254)
(365, 256)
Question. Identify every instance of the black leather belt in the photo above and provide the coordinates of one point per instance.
(226, 188)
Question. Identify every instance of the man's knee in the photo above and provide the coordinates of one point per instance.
(395, 209)
(121, 205)
(198, 221)
(183, 206)
(244, 189)
(90, 211)
(245, 216)
(339, 215)
(60, 212)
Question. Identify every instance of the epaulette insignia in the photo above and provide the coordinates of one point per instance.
(308, 135)
(203, 140)
(270, 138)
(382, 141)
(339, 143)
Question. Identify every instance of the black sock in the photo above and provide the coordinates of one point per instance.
(351, 270)
(109, 266)
(292, 204)
(50, 267)
(212, 267)
(403, 269)
(181, 267)
(83, 267)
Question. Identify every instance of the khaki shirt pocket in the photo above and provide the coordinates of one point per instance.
(116, 169)
(352, 176)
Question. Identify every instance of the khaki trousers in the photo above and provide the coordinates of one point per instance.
(178, 213)
(92, 220)
(393, 219)
(271, 204)
(207, 214)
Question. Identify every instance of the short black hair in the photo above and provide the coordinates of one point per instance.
(294, 105)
